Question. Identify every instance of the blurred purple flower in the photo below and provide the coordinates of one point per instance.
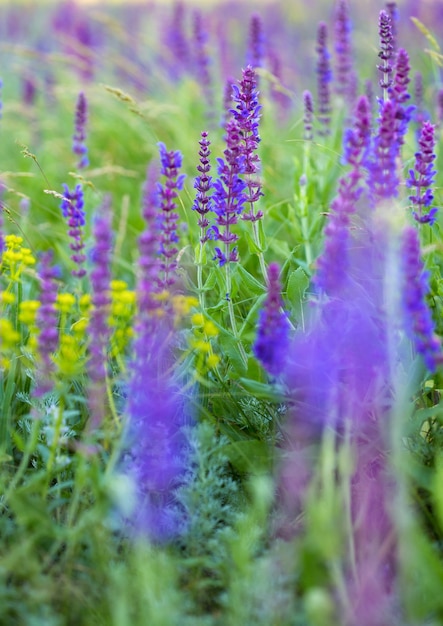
(391, 9)
(332, 265)
(308, 117)
(418, 319)
(324, 77)
(47, 320)
(79, 146)
(343, 48)
(99, 330)
(171, 162)
(398, 93)
(270, 346)
(256, 43)
(202, 60)
(422, 176)
(383, 179)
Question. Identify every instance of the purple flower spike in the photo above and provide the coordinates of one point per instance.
(170, 164)
(308, 115)
(391, 8)
(99, 330)
(398, 93)
(229, 194)
(383, 179)
(148, 262)
(256, 42)
(324, 77)
(332, 265)
(343, 49)
(247, 114)
(422, 176)
(154, 457)
(203, 185)
(419, 324)
(386, 50)
(202, 60)
(79, 146)
(47, 320)
(440, 107)
(270, 347)
(72, 210)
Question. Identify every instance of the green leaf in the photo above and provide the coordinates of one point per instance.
(251, 283)
(247, 456)
(298, 282)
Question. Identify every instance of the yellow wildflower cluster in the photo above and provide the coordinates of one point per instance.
(15, 257)
(121, 316)
(28, 316)
(9, 339)
(203, 331)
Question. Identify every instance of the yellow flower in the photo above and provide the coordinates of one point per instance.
(210, 329)
(65, 302)
(198, 319)
(212, 360)
(28, 312)
(9, 337)
(118, 285)
(8, 297)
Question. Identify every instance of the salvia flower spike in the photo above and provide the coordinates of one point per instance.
(419, 324)
(273, 327)
(47, 320)
(324, 77)
(386, 51)
(99, 330)
(422, 176)
(79, 146)
(72, 207)
(171, 162)
(343, 49)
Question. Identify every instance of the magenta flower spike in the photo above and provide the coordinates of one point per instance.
(422, 176)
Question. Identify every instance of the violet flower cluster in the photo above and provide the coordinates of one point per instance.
(171, 162)
(332, 265)
(422, 176)
(47, 320)
(419, 324)
(202, 60)
(256, 46)
(383, 178)
(203, 185)
(229, 195)
(247, 113)
(386, 53)
(272, 340)
(79, 146)
(308, 116)
(398, 93)
(324, 77)
(343, 49)
(72, 207)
